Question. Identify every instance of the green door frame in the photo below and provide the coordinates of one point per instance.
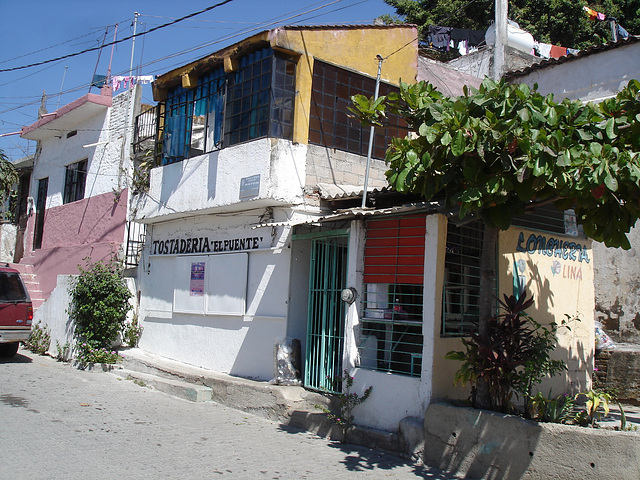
(326, 311)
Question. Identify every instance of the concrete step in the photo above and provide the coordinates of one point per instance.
(176, 388)
(23, 268)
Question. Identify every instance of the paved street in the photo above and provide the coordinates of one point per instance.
(57, 422)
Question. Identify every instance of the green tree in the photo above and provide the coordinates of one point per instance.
(560, 22)
(501, 150)
(8, 178)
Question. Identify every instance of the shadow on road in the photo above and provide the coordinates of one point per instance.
(16, 359)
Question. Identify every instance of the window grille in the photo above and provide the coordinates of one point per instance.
(74, 181)
(550, 219)
(391, 337)
(329, 121)
(462, 279)
(255, 101)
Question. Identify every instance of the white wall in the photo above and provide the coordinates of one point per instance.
(109, 166)
(239, 345)
(393, 396)
(589, 78)
(203, 183)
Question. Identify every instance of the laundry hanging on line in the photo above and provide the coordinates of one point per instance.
(128, 81)
(445, 38)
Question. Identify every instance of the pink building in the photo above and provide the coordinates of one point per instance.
(77, 205)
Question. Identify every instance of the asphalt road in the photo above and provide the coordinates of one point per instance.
(57, 422)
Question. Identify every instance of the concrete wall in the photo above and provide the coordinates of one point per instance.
(7, 242)
(327, 165)
(617, 276)
(209, 182)
(239, 345)
(479, 444)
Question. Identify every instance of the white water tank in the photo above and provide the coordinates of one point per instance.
(516, 37)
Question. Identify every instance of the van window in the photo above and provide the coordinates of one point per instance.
(11, 288)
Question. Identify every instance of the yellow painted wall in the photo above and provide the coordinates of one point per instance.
(351, 48)
(561, 281)
(560, 285)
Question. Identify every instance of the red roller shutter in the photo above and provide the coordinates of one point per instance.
(394, 250)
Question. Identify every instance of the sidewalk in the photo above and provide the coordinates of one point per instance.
(292, 406)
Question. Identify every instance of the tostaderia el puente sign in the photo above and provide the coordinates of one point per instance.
(204, 245)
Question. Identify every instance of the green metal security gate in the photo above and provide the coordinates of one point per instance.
(326, 315)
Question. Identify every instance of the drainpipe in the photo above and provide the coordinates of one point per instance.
(371, 134)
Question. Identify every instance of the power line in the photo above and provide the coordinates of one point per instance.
(93, 49)
(245, 31)
(48, 48)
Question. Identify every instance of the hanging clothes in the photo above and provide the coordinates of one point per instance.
(439, 37)
(557, 52)
(544, 49)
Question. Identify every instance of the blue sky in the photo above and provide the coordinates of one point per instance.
(35, 31)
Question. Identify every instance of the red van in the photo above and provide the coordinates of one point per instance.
(16, 312)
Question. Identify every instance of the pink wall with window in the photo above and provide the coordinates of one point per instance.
(92, 227)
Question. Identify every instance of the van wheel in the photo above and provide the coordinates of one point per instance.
(8, 350)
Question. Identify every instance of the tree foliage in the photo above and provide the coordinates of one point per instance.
(8, 177)
(503, 149)
(560, 22)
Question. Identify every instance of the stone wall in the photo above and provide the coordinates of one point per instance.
(481, 444)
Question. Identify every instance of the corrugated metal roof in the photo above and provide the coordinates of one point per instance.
(332, 191)
(568, 58)
(372, 212)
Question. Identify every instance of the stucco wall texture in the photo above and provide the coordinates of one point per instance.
(93, 227)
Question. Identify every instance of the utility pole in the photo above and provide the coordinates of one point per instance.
(371, 134)
(133, 41)
(501, 7)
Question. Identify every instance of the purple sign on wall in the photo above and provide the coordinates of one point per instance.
(196, 287)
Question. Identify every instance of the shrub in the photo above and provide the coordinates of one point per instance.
(88, 354)
(99, 304)
(131, 332)
(515, 356)
(39, 340)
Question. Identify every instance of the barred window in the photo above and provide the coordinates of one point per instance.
(74, 181)
(253, 102)
(462, 279)
(391, 337)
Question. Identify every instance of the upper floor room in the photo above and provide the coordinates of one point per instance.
(291, 83)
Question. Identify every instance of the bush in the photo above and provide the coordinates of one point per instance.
(513, 359)
(39, 340)
(88, 354)
(99, 304)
